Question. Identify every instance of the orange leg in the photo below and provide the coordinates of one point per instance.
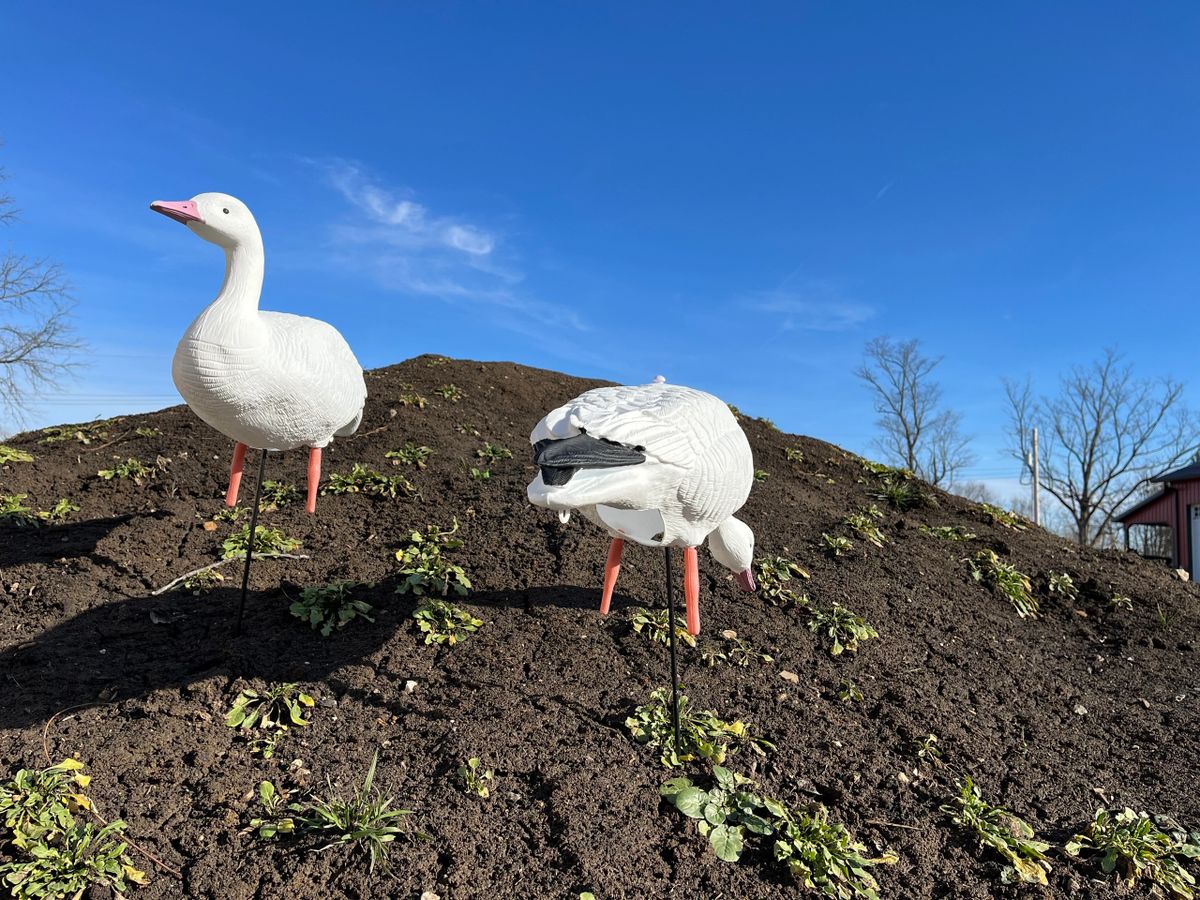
(691, 589)
(612, 568)
(314, 478)
(235, 474)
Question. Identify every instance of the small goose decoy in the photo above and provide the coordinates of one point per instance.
(268, 380)
(659, 464)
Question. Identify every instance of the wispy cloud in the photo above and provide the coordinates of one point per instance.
(814, 306)
(410, 249)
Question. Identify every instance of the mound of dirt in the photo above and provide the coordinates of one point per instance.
(1090, 704)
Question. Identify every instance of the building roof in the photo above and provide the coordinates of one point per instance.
(1139, 506)
(1187, 473)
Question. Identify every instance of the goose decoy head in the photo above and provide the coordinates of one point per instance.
(218, 218)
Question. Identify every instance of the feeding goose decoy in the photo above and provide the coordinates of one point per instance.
(659, 464)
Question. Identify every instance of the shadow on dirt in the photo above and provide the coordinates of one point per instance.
(128, 648)
(46, 543)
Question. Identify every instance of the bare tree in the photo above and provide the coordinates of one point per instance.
(976, 491)
(916, 433)
(36, 338)
(1102, 437)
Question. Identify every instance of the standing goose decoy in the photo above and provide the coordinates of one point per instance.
(659, 464)
(268, 380)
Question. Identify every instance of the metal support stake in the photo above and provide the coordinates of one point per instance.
(262, 467)
(674, 655)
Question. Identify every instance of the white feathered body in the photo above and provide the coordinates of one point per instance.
(270, 380)
(698, 470)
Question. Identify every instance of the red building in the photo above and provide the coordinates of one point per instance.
(1176, 505)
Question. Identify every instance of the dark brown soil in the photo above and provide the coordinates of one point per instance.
(542, 690)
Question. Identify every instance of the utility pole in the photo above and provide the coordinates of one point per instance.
(1037, 494)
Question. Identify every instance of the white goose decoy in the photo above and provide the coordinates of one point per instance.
(268, 380)
(659, 464)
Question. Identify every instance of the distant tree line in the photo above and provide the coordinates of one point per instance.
(1103, 434)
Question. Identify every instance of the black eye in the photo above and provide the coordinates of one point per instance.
(225, 211)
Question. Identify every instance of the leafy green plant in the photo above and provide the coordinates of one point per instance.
(277, 494)
(410, 455)
(1006, 833)
(56, 856)
(13, 455)
(863, 523)
(444, 623)
(481, 474)
(885, 471)
(702, 734)
(146, 431)
(654, 624)
(366, 819)
(821, 856)
(38, 804)
(493, 452)
(13, 510)
(741, 653)
(231, 514)
(999, 516)
(848, 692)
(270, 714)
(988, 568)
(1064, 586)
(131, 469)
(267, 542)
(329, 607)
(363, 480)
(927, 749)
(1120, 601)
(475, 777)
(60, 513)
(774, 575)
(948, 532)
(761, 474)
(903, 492)
(449, 392)
(202, 582)
(80, 858)
(794, 454)
(425, 566)
(1135, 846)
(838, 545)
(413, 399)
(82, 434)
(844, 627)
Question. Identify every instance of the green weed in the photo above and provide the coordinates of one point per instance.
(425, 566)
(1137, 848)
(363, 480)
(131, 470)
(988, 568)
(329, 607)
(410, 455)
(13, 455)
(774, 575)
(904, 492)
(493, 453)
(999, 516)
(702, 734)
(82, 434)
(146, 431)
(444, 623)
(365, 820)
(848, 692)
(203, 582)
(270, 714)
(277, 494)
(481, 474)
(794, 454)
(654, 624)
(821, 856)
(863, 524)
(13, 511)
(449, 392)
(844, 627)
(1062, 585)
(475, 778)
(761, 474)
(837, 545)
(1008, 834)
(267, 542)
(948, 532)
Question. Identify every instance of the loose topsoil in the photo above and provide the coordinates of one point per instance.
(1089, 705)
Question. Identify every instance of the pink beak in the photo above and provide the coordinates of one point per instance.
(180, 210)
(745, 581)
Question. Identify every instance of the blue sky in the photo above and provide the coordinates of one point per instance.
(737, 198)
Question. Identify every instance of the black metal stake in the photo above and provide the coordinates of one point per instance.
(262, 467)
(674, 655)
